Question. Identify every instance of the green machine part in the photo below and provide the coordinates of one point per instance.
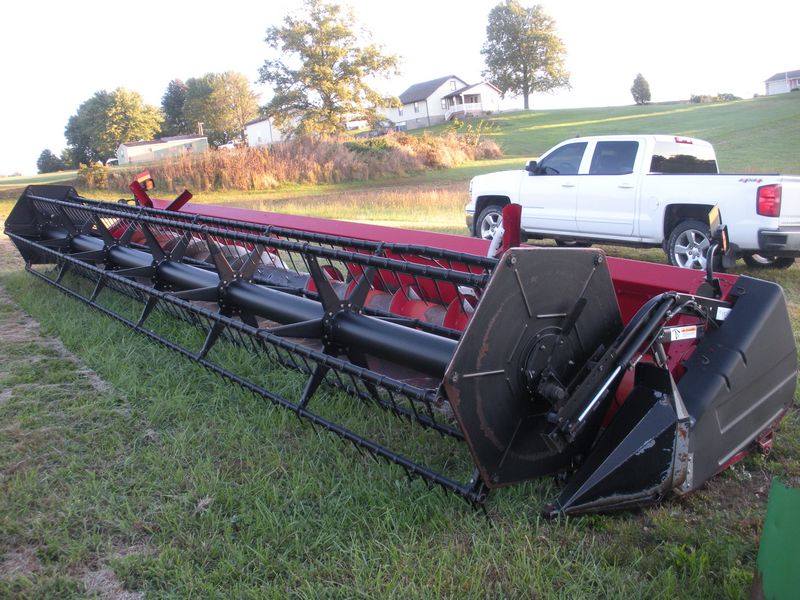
(778, 575)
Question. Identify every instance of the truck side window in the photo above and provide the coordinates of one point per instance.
(670, 157)
(565, 160)
(614, 158)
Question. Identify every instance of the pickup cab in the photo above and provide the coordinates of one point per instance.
(643, 190)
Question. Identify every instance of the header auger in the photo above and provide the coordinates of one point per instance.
(543, 361)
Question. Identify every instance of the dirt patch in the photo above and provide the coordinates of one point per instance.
(104, 583)
(19, 562)
(10, 260)
(102, 580)
(16, 327)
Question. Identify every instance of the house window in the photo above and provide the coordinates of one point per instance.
(416, 107)
(400, 111)
(444, 104)
(452, 85)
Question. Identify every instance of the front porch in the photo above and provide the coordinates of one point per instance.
(461, 105)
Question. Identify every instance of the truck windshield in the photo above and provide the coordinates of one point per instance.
(672, 157)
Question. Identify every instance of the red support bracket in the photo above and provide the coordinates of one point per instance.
(512, 226)
(144, 182)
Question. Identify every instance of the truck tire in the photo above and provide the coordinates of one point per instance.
(759, 261)
(688, 243)
(487, 221)
(572, 244)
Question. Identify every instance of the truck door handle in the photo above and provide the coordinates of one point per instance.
(568, 184)
(626, 186)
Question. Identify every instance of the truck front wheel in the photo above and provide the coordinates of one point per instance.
(688, 244)
(487, 222)
(759, 261)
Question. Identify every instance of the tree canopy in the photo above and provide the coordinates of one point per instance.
(640, 90)
(223, 102)
(49, 162)
(523, 54)
(320, 71)
(83, 128)
(172, 106)
(106, 120)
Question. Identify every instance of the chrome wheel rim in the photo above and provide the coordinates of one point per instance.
(763, 260)
(690, 249)
(489, 225)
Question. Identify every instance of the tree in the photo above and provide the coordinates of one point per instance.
(320, 71)
(83, 128)
(173, 104)
(128, 119)
(106, 120)
(223, 102)
(640, 90)
(68, 158)
(49, 162)
(523, 54)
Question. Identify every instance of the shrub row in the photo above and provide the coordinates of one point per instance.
(707, 99)
(302, 160)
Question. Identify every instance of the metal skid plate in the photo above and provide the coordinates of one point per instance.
(543, 309)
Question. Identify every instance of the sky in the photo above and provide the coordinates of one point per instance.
(54, 55)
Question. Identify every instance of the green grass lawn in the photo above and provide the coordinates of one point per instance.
(135, 468)
(44, 178)
(129, 468)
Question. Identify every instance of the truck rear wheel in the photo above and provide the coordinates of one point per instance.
(760, 261)
(688, 244)
(572, 244)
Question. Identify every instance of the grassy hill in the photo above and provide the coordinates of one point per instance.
(758, 135)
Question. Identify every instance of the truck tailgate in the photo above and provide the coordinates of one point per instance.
(790, 200)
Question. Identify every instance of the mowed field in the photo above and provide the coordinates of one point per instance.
(126, 472)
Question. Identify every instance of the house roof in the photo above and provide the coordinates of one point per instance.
(467, 88)
(422, 91)
(164, 140)
(784, 75)
(175, 138)
(141, 143)
(256, 120)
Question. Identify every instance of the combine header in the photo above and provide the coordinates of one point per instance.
(633, 380)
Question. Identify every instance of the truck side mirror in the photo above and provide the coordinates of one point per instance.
(531, 167)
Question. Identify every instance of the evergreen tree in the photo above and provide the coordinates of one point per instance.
(640, 90)
(49, 162)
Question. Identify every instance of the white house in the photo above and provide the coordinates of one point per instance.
(439, 100)
(781, 83)
(155, 150)
(262, 132)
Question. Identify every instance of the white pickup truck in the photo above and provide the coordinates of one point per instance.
(643, 190)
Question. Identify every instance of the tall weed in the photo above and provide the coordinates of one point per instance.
(312, 160)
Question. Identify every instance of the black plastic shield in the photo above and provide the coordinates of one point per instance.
(526, 316)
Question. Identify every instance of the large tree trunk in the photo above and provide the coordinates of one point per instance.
(526, 87)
